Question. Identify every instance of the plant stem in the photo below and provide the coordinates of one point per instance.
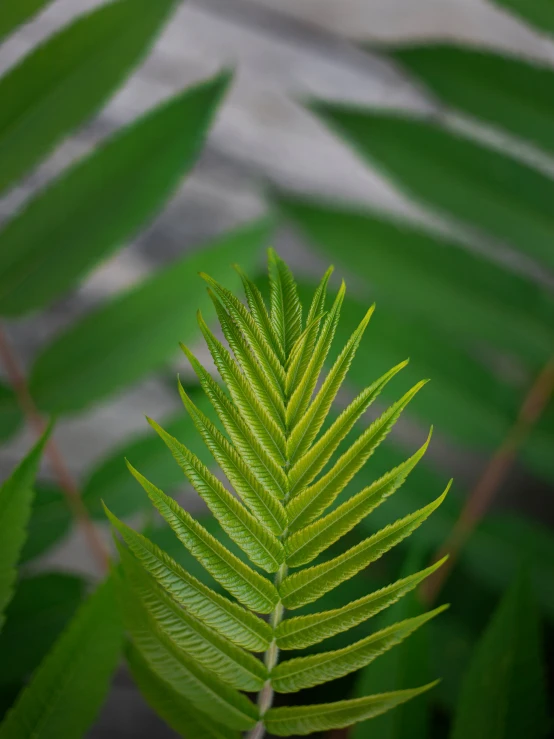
(271, 657)
(60, 469)
(484, 492)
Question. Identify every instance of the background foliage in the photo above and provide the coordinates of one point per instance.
(467, 295)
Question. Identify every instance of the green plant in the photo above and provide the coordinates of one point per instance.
(279, 457)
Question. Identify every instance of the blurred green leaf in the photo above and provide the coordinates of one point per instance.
(405, 666)
(539, 13)
(10, 415)
(139, 330)
(454, 174)
(67, 690)
(50, 521)
(175, 710)
(13, 14)
(16, 496)
(111, 481)
(67, 78)
(510, 93)
(41, 607)
(503, 694)
(101, 201)
(432, 278)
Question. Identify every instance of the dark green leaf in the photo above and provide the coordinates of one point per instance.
(69, 687)
(400, 668)
(455, 175)
(431, 279)
(10, 415)
(539, 13)
(13, 14)
(16, 496)
(503, 694)
(111, 482)
(66, 79)
(100, 202)
(510, 93)
(50, 521)
(139, 330)
(41, 607)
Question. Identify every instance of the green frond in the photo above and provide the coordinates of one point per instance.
(267, 510)
(286, 309)
(308, 585)
(193, 649)
(304, 546)
(302, 393)
(233, 665)
(300, 632)
(259, 313)
(267, 431)
(272, 477)
(224, 703)
(314, 500)
(268, 394)
(301, 352)
(259, 343)
(248, 587)
(302, 720)
(315, 459)
(263, 548)
(230, 620)
(309, 425)
(176, 711)
(306, 672)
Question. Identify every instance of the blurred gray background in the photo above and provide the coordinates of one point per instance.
(283, 51)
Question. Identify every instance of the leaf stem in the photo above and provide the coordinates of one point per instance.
(271, 657)
(66, 481)
(484, 492)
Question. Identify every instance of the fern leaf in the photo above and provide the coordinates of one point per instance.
(267, 394)
(266, 470)
(225, 704)
(310, 584)
(300, 632)
(193, 646)
(260, 314)
(301, 353)
(313, 461)
(232, 664)
(269, 433)
(303, 546)
(248, 587)
(268, 511)
(233, 622)
(302, 720)
(259, 344)
(314, 500)
(176, 711)
(286, 309)
(303, 392)
(263, 548)
(309, 425)
(305, 672)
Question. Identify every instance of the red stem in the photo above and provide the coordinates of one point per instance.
(66, 481)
